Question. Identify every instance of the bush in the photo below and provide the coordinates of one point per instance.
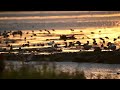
(2, 66)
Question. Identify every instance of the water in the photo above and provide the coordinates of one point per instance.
(83, 66)
(88, 21)
(88, 68)
(58, 20)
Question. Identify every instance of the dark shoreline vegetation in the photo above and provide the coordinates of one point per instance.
(107, 57)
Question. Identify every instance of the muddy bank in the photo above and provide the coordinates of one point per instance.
(110, 57)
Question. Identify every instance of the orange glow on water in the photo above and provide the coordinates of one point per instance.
(87, 33)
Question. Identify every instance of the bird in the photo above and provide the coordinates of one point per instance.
(106, 37)
(45, 29)
(53, 29)
(48, 32)
(118, 37)
(27, 33)
(94, 39)
(114, 39)
(40, 30)
(92, 33)
(32, 31)
(72, 29)
(101, 38)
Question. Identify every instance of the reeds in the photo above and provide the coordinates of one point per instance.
(45, 72)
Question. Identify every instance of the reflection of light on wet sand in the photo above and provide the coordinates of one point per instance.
(44, 37)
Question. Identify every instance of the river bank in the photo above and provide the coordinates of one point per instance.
(108, 57)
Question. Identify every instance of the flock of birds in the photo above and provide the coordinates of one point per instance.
(85, 46)
(75, 43)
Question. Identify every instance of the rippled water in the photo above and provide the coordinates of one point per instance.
(88, 68)
(58, 20)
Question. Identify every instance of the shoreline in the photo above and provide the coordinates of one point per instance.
(106, 57)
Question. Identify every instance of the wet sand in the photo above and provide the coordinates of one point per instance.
(83, 37)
